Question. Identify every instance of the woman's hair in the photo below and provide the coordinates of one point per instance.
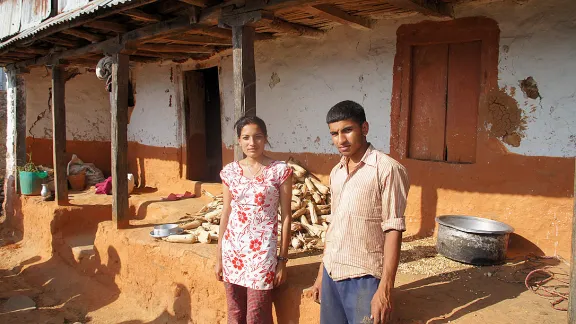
(250, 120)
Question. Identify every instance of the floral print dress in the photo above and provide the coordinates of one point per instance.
(250, 240)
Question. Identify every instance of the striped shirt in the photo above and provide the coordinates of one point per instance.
(365, 204)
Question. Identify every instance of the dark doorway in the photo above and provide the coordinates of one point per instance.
(203, 126)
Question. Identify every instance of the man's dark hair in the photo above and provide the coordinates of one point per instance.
(347, 109)
(250, 120)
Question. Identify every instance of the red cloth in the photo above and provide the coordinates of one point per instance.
(172, 197)
(105, 187)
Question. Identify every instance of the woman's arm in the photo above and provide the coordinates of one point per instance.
(223, 225)
(286, 221)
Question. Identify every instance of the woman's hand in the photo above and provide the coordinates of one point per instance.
(218, 269)
(281, 273)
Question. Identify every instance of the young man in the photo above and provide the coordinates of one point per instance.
(362, 250)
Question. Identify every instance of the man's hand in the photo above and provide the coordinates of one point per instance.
(315, 291)
(381, 306)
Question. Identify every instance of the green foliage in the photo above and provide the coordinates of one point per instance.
(29, 166)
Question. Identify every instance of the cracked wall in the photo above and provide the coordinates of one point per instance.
(87, 107)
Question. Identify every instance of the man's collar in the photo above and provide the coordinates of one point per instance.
(369, 157)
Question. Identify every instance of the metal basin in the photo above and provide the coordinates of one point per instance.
(166, 230)
(472, 240)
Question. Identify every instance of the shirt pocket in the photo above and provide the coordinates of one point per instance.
(368, 230)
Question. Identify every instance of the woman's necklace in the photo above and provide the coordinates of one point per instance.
(250, 170)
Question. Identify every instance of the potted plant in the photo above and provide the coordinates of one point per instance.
(31, 178)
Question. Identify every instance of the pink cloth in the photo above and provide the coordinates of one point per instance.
(250, 240)
(105, 187)
(172, 197)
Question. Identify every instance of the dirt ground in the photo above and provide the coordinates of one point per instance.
(430, 289)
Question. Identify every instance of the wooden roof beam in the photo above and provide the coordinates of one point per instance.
(94, 38)
(194, 40)
(425, 7)
(61, 41)
(107, 26)
(285, 27)
(175, 48)
(334, 13)
(197, 3)
(141, 15)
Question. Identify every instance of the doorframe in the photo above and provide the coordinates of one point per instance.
(427, 33)
(180, 88)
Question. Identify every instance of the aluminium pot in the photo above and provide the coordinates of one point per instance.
(472, 240)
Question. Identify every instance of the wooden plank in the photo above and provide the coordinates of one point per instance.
(32, 50)
(244, 76)
(195, 40)
(428, 104)
(285, 27)
(425, 7)
(463, 99)
(333, 13)
(107, 26)
(119, 128)
(59, 134)
(94, 38)
(175, 48)
(195, 125)
(141, 15)
(197, 3)
(61, 41)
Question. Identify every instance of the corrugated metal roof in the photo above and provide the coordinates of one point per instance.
(9, 17)
(68, 5)
(91, 7)
(33, 12)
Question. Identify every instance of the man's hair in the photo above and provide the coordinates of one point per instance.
(347, 109)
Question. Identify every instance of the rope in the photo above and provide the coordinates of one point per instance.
(547, 281)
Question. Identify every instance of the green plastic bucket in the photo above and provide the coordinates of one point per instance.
(31, 182)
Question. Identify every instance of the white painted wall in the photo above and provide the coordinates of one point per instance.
(154, 120)
(314, 75)
(538, 39)
(87, 107)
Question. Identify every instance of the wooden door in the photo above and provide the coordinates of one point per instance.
(195, 125)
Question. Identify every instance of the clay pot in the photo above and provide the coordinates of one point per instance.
(77, 181)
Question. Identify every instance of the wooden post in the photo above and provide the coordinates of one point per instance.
(59, 134)
(572, 298)
(244, 76)
(119, 128)
(15, 136)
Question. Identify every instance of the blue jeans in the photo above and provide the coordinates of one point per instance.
(347, 301)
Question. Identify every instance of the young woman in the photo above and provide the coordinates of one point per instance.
(247, 250)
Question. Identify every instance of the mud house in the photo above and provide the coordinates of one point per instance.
(475, 98)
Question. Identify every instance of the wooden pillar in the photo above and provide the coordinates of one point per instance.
(572, 297)
(244, 76)
(15, 136)
(119, 128)
(59, 134)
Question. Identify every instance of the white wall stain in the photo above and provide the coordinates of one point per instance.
(87, 107)
(537, 39)
(155, 118)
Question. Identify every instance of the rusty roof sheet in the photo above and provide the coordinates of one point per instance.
(67, 5)
(34, 12)
(9, 17)
(62, 18)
